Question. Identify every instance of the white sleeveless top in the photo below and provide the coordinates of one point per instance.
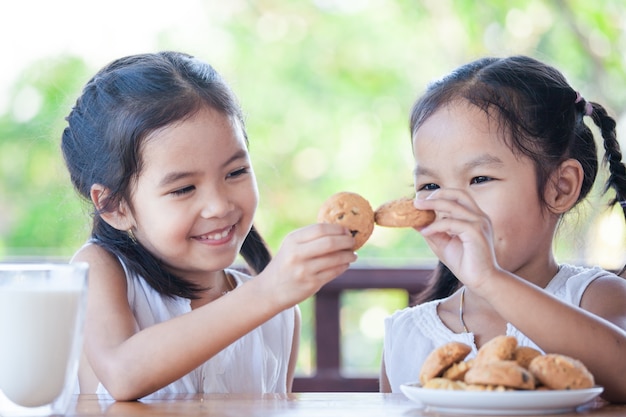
(412, 333)
(255, 363)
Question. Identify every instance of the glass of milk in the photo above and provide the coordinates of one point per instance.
(42, 307)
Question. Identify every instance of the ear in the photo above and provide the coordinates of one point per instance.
(563, 189)
(120, 218)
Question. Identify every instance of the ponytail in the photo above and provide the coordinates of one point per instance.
(612, 154)
(255, 252)
(612, 157)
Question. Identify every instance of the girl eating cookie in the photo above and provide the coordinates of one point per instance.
(502, 151)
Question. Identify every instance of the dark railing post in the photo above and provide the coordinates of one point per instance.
(328, 348)
(328, 375)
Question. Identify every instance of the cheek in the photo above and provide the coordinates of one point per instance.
(505, 216)
(516, 225)
(168, 228)
(250, 188)
(255, 197)
(248, 200)
(252, 196)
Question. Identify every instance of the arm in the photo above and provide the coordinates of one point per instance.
(295, 346)
(87, 380)
(132, 363)
(594, 334)
(385, 386)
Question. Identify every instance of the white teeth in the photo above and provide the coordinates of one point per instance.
(216, 236)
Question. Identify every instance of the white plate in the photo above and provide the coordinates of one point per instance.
(495, 402)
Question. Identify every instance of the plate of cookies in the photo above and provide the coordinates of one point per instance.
(503, 379)
(499, 402)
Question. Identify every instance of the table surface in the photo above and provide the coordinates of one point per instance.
(297, 404)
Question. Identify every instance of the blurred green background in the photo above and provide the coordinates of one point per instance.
(326, 86)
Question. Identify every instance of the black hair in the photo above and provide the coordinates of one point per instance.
(541, 117)
(118, 109)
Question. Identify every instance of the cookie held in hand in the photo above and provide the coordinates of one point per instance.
(352, 211)
(402, 213)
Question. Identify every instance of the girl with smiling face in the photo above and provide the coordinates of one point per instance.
(157, 144)
(502, 151)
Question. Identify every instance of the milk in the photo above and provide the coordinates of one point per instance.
(41, 316)
(36, 335)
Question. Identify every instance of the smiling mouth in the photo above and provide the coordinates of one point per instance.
(216, 236)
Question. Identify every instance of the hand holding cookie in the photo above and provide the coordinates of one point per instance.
(402, 213)
(352, 211)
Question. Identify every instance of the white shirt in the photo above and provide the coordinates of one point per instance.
(255, 363)
(412, 333)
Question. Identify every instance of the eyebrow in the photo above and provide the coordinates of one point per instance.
(172, 177)
(484, 159)
(481, 160)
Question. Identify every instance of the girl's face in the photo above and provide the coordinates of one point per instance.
(195, 198)
(458, 148)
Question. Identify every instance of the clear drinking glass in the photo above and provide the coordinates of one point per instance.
(42, 308)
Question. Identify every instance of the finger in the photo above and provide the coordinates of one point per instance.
(300, 254)
(451, 205)
(329, 267)
(326, 246)
(325, 240)
(454, 227)
(319, 230)
(461, 197)
(331, 273)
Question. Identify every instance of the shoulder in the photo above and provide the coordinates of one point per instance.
(606, 284)
(605, 296)
(96, 256)
(572, 281)
(104, 267)
(592, 278)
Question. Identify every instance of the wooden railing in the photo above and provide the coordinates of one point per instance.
(328, 376)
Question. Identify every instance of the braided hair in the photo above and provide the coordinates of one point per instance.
(119, 107)
(543, 118)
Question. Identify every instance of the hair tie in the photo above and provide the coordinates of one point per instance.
(623, 204)
(578, 97)
(588, 106)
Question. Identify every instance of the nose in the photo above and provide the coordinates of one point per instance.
(215, 203)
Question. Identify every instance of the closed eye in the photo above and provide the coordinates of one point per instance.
(238, 172)
(480, 179)
(184, 190)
